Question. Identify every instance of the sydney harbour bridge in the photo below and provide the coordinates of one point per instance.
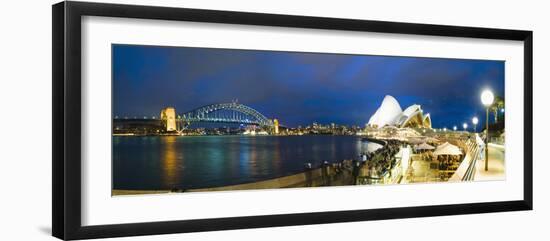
(232, 112)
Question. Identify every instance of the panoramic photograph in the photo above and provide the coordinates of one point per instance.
(190, 119)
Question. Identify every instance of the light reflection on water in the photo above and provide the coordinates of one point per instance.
(170, 161)
(167, 162)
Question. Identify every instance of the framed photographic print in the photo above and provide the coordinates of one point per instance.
(170, 120)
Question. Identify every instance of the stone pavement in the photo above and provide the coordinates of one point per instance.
(496, 170)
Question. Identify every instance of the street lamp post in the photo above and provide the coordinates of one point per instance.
(487, 99)
(465, 126)
(475, 121)
(454, 128)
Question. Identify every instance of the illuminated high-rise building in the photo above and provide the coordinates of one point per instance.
(168, 117)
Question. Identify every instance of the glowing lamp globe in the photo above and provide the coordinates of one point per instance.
(475, 120)
(487, 98)
(465, 126)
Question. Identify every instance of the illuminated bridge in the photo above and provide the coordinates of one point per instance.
(225, 113)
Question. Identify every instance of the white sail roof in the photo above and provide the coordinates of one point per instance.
(390, 114)
(387, 114)
(411, 110)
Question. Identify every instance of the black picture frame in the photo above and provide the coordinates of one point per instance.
(66, 127)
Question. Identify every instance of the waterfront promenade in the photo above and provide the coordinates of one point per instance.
(496, 165)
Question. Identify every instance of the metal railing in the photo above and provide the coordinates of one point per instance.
(474, 152)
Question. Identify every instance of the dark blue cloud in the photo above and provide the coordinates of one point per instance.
(299, 88)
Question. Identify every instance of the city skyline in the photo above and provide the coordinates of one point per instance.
(299, 88)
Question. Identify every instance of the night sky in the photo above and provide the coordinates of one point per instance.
(299, 88)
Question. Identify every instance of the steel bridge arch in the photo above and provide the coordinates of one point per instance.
(202, 114)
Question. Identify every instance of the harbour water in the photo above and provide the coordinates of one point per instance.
(184, 162)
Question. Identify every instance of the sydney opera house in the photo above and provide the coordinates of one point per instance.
(390, 114)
